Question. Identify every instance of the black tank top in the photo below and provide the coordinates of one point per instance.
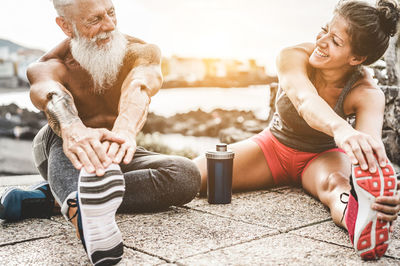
(293, 131)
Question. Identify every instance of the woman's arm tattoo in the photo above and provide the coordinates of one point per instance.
(60, 110)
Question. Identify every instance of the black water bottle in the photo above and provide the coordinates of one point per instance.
(219, 180)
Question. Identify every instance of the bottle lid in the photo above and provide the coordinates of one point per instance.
(220, 153)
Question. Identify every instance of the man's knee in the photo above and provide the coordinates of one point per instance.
(187, 176)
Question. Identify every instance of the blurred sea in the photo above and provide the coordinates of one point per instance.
(168, 102)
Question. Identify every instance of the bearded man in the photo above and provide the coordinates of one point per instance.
(95, 88)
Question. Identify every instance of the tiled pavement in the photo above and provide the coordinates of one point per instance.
(273, 227)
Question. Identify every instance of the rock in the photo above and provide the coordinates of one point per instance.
(200, 123)
(272, 97)
(16, 122)
(391, 123)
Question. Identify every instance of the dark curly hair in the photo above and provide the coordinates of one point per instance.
(370, 28)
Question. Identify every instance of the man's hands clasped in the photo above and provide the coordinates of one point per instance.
(84, 147)
(122, 152)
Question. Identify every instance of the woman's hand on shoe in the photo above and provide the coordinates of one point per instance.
(361, 148)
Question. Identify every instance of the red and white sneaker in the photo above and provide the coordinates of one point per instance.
(370, 236)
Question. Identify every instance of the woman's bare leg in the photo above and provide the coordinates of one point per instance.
(326, 178)
(250, 168)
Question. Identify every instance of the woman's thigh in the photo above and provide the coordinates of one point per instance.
(327, 172)
(250, 168)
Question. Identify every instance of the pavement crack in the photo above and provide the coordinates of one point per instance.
(282, 231)
(148, 253)
(227, 246)
(307, 225)
(337, 244)
(24, 241)
(227, 217)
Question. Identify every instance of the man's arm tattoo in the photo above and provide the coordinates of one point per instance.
(60, 110)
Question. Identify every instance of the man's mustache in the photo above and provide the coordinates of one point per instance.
(102, 36)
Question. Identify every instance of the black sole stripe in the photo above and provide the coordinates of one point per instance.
(96, 201)
(108, 262)
(99, 178)
(102, 188)
(115, 252)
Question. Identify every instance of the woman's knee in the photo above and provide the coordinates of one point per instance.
(334, 181)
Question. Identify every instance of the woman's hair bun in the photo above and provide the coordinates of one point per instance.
(389, 15)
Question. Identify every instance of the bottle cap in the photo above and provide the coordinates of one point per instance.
(221, 153)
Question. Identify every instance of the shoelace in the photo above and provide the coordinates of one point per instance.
(72, 203)
(344, 202)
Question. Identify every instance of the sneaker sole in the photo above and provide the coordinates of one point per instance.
(99, 199)
(371, 236)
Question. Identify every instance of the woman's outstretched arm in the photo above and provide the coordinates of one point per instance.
(292, 65)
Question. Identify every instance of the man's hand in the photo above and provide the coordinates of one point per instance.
(388, 207)
(361, 148)
(83, 146)
(122, 152)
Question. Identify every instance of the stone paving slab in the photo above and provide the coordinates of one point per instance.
(282, 249)
(53, 232)
(180, 232)
(132, 257)
(58, 250)
(62, 250)
(394, 247)
(284, 210)
(202, 200)
(329, 232)
(280, 226)
(30, 229)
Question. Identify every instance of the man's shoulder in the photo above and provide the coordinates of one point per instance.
(56, 57)
(133, 40)
(140, 50)
(51, 63)
(59, 52)
(139, 46)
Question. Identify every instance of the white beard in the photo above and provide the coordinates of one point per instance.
(103, 63)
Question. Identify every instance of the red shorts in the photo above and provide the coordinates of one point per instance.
(286, 164)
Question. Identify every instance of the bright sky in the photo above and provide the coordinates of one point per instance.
(200, 28)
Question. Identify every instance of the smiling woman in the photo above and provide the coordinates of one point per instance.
(309, 141)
